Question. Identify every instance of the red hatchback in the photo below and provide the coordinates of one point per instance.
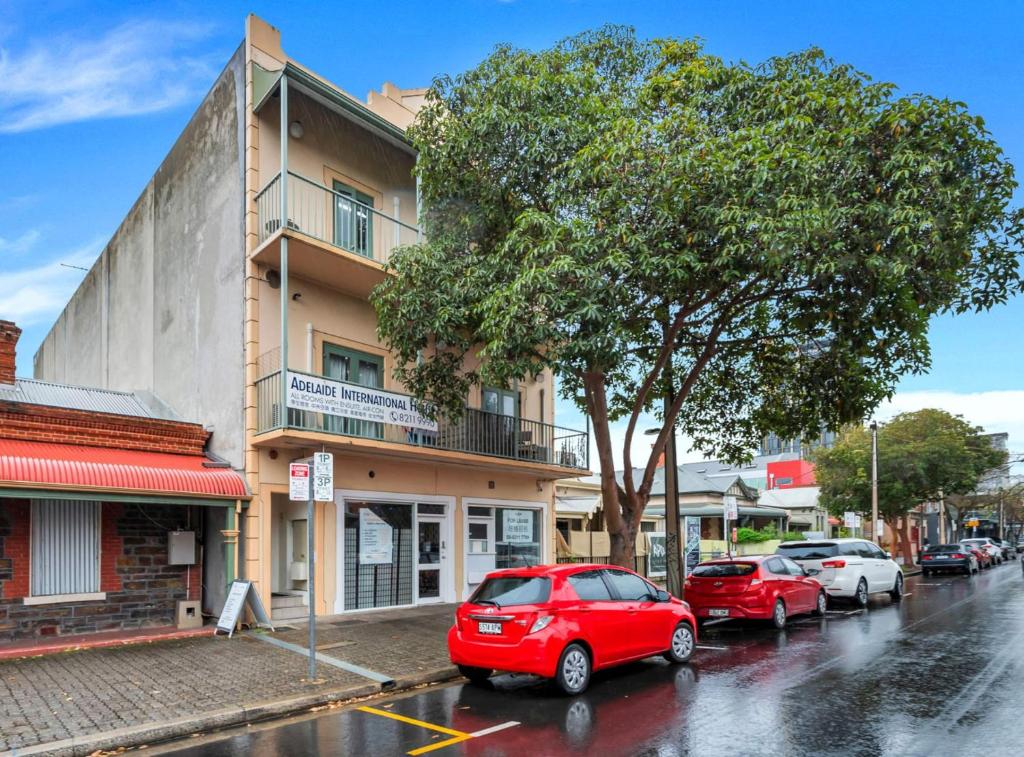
(765, 587)
(565, 621)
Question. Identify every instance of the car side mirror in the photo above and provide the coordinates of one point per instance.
(663, 596)
(811, 571)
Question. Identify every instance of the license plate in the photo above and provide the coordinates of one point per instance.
(492, 628)
(718, 613)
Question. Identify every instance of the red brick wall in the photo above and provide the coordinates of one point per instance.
(9, 334)
(15, 527)
(40, 423)
(111, 547)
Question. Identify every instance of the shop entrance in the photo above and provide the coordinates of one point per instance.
(433, 551)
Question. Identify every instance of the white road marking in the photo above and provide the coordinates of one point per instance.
(708, 646)
(494, 728)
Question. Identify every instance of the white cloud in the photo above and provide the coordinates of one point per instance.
(138, 67)
(36, 295)
(995, 411)
(20, 244)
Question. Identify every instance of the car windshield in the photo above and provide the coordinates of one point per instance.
(721, 570)
(512, 590)
(808, 551)
(975, 541)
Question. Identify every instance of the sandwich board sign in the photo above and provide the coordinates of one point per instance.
(241, 593)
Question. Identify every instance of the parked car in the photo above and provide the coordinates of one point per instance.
(767, 587)
(948, 557)
(850, 568)
(1020, 545)
(565, 621)
(989, 546)
(1009, 550)
(984, 558)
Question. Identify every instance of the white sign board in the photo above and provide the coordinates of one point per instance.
(298, 482)
(731, 510)
(375, 544)
(849, 519)
(324, 395)
(858, 522)
(517, 526)
(323, 477)
(238, 595)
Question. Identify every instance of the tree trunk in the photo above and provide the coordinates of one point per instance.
(623, 538)
(908, 552)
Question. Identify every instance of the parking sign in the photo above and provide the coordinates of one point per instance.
(323, 477)
(298, 482)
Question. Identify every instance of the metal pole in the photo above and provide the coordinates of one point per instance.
(942, 518)
(283, 178)
(673, 566)
(311, 581)
(876, 537)
(725, 528)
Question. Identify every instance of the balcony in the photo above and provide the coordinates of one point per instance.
(335, 238)
(487, 436)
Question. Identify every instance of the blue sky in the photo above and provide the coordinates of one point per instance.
(92, 96)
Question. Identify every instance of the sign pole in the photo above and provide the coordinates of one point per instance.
(311, 583)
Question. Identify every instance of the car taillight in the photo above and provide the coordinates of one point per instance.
(927, 557)
(541, 623)
(957, 556)
(834, 564)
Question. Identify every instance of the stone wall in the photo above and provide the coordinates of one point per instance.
(142, 590)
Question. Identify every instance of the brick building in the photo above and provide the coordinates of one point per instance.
(93, 484)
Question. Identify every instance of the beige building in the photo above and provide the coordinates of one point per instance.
(248, 253)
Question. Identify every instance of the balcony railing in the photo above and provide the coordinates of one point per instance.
(476, 432)
(333, 217)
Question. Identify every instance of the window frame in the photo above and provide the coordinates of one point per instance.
(92, 592)
(599, 573)
(652, 593)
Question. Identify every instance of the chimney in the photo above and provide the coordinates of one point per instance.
(9, 334)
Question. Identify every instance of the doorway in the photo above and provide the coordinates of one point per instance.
(432, 550)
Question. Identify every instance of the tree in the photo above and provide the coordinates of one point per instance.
(920, 454)
(767, 243)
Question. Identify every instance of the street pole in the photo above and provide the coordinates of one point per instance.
(311, 580)
(673, 564)
(942, 518)
(874, 484)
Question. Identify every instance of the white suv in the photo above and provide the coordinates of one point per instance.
(849, 568)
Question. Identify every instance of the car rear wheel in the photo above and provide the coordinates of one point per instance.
(821, 605)
(779, 614)
(897, 588)
(475, 675)
(925, 572)
(861, 597)
(681, 647)
(573, 670)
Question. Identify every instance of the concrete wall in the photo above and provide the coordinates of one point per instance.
(161, 309)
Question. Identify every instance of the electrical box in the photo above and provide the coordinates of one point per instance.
(181, 548)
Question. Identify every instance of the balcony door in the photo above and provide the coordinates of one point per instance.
(353, 219)
(499, 427)
(354, 367)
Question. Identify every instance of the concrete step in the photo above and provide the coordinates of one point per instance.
(284, 601)
(289, 613)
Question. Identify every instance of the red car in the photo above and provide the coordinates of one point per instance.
(984, 558)
(565, 621)
(765, 587)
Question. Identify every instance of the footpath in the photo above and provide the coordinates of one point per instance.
(81, 701)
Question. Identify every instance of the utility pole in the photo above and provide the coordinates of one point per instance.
(876, 537)
(673, 562)
(942, 518)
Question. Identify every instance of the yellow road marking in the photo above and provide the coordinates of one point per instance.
(440, 744)
(457, 735)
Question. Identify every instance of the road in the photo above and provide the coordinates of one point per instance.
(938, 674)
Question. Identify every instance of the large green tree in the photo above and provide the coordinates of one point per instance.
(766, 243)
(920, 456)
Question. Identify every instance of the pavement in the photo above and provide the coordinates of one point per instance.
(939, 673)
(80, 701)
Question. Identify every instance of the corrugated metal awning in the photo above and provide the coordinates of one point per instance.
(25, 464)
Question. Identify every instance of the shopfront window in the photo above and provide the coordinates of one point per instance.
(517, 537)
(379, 554)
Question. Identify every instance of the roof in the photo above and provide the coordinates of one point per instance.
(75, 467)
(715, 510)
(33, 392)
(580, 505)
(689, 482)
(796, 497)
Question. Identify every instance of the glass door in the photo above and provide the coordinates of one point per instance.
(355, 368)
(432, 556)
(353, 220)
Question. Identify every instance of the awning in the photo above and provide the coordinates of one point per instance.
(71, 467)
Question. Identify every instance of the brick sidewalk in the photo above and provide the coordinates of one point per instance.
(79, 701)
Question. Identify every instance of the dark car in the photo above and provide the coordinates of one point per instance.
(948, 557)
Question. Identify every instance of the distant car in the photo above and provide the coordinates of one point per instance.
(565, 621)
(989, 546)
(984, 558)
(1009, 550)
(768, 587)
(1020, 545)
(849, 568)
(948, 557)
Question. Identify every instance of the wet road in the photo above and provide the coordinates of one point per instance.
(939, 674)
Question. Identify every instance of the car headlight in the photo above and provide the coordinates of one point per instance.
(541, 623)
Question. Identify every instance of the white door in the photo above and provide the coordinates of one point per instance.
(432, 561)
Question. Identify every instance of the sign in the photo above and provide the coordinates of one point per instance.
(691, 551)
(657, 560)
(731, 511)
(517, 526)
(298, 482)
(238, 596)
(858, 522)
(734, 530)
(849, 519)
(973, 523)
(323, 477)
(375, 539)
(323, 395)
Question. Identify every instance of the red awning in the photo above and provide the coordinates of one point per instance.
(72, 466)
(834, 521)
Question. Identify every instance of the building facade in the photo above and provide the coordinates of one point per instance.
(237, 290)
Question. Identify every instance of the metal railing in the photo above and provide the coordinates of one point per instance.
(639, 561)
(477, 432)
(333, 217)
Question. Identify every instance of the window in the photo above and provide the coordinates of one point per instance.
(877, 552)
(629, 587)
(724, 570)
(776, 566)
(562, 525)
(501, 402)
(864, 550)
(513, 590)
(792, 568)
(849, 549)
(65, 547)
(353, 367)
(353, 220)
(809, 551)
(517, 537)
(648, 526)
(428, 509)
(590, 587)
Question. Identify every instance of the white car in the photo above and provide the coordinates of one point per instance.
(849, 568)
(998, 555)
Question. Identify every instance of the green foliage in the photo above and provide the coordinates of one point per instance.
(769, 240)
(753, 536)
(792, 536)
(919, 454)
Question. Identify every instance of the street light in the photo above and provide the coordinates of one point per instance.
(874, 483)
(673, 565)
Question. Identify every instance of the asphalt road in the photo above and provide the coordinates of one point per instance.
(939, 674)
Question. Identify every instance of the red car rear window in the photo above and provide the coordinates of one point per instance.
(513, 590)
(721, 570)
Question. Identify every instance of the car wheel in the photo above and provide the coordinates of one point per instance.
(573, 670)
(475, 675)
(779, 614)
(897, 589)
(925, 573)
(821, 605)
(682, 645)
(861, 597)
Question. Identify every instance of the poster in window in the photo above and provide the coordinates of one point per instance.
(517, 526)
(691, 527)
(658, 560)
(375, 539)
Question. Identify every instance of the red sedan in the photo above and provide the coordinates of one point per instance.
(565, 621)
(765, 587)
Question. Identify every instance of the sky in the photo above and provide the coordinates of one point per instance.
(93, 95)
